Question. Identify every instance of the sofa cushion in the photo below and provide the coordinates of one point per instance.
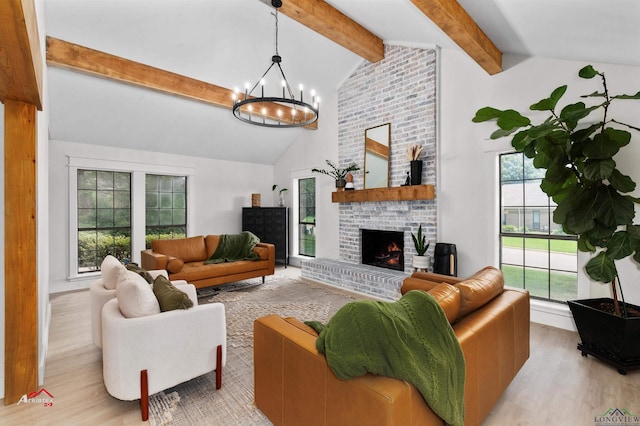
(263, 252)
(189, 249)
(195, 271)
(133, 267)
(417, 284)
(169, 297)
(479, 289)
(448, 297)
(135, 297)
(211, 241)
(174, 265)
(110, 270)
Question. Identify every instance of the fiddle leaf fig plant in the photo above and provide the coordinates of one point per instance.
(577, 149)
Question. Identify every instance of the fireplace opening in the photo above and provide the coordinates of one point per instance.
(384, 249)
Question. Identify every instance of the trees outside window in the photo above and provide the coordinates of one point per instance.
(534, 251)
(104, 217)
(307, 217)
(165, 207)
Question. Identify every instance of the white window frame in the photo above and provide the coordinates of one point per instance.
(295, 258)
(138, 173)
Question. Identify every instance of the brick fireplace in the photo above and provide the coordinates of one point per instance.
(400, 90)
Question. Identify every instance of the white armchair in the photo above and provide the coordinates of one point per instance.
(145, 355)
(99, 294)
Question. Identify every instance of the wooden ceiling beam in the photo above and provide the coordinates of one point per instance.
(329, 22)
(461, 28)
(78, 58)
(20, 59)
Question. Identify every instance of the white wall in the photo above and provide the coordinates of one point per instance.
(309, 151)
(221, 189)
(467, 187)
(42, 203)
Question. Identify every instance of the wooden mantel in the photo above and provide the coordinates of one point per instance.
(400, 193)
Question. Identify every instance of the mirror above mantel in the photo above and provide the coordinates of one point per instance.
(377, 149)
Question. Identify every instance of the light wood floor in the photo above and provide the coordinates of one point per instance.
(555, 387)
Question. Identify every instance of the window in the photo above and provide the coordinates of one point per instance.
(307, 217)
(165, 207)
(104, 217)
(535, 253)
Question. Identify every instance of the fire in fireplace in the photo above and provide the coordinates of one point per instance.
(384, 249)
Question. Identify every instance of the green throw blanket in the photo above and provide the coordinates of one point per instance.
(409, 339)
(235, 247)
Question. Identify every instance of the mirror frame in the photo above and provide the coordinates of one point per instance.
(378, 149)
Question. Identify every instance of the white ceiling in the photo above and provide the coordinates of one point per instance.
(231, 42)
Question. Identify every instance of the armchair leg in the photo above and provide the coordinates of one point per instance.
(144, 395)
(263, 279)
(219, 367)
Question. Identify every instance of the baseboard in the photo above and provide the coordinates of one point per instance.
(552, 314)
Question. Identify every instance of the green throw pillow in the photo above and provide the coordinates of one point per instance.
(133, 267)
(169, 297)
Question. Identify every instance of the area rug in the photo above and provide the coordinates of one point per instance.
(197, 402)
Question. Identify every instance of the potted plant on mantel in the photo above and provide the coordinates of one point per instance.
(338, 173)
(593, 203)
(420, 242)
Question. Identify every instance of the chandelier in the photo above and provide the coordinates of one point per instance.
(275, 111)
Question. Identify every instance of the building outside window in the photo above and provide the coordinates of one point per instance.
(535, 253)
(166, 207)
(104, 217)
(307, 217)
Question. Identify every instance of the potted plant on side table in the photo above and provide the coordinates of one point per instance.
(338, 173)
(420, 242)
(593, 202)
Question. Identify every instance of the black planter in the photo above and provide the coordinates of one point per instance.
(608, 337)
(416, 172)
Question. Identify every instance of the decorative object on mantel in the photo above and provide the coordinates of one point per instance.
(275, 111)
(407, 181)
(420, 261)
(280, 195)
(255, 200)
(349, 185)
(339, 174)
(413, 153)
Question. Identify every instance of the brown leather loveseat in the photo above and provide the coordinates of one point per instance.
(295, 386)
(184, 259)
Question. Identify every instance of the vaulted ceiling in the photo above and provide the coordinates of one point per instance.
(228, 43)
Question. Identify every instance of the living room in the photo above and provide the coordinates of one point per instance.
(464, 168)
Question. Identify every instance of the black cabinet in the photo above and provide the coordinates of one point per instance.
(271, 225)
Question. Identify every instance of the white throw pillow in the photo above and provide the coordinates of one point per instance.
(135, 296)
(110, 269)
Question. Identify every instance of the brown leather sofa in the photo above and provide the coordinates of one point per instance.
(184, 258)
(295, 386)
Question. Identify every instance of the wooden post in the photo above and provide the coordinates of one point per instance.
(20, 251)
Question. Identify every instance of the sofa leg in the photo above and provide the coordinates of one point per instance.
(144, 395)
(219, 367)
(263, 279)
